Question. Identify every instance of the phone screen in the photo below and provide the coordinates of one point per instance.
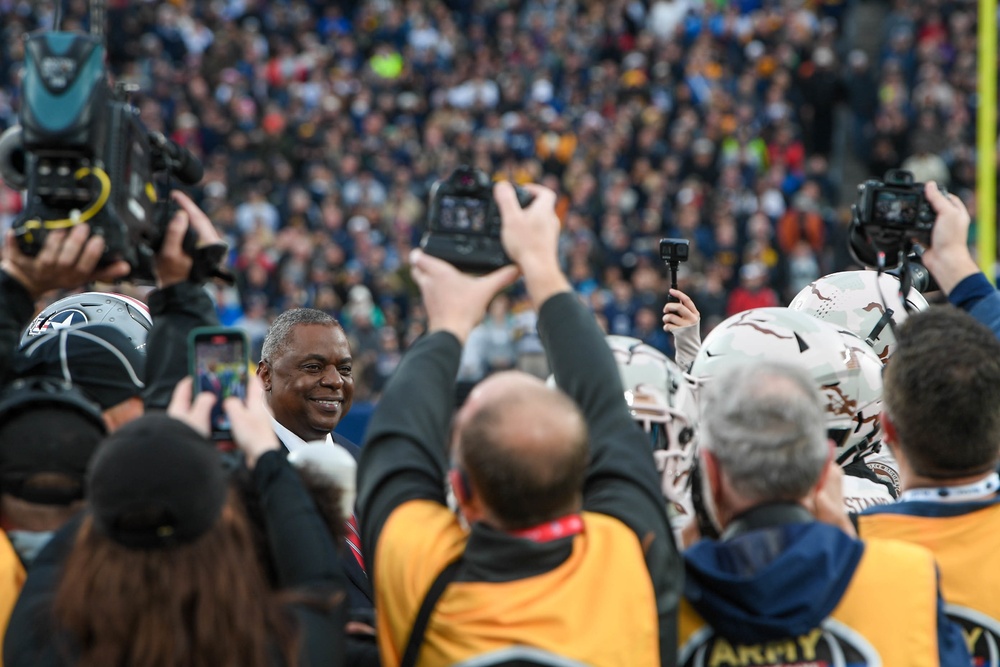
(220, 365)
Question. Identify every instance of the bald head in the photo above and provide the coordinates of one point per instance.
(524, 448)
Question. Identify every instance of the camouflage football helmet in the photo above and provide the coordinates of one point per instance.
(845, 370)
(852, 300)
(866, 399)
(661, 399)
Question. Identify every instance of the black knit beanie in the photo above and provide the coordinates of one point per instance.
(156, 483)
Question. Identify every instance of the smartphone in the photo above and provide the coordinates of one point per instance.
(219, 362)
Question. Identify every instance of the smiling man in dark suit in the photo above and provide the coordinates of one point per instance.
(306, 371)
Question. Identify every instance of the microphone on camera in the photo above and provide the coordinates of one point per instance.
(182, 162)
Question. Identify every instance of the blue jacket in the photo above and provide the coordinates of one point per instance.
(776, 574)
(976, 296)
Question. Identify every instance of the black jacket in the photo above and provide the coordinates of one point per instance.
(361, 651)
(16, 310)
(300, 546)
(175, 310)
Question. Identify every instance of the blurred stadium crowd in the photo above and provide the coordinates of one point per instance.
(322, 126)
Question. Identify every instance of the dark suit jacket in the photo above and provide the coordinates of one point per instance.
(359, 589)
(361, 651)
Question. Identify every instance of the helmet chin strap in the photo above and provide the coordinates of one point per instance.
(883, 322)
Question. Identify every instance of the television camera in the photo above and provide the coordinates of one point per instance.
(82, 155)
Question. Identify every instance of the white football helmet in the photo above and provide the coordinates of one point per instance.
(852, 300)
(661, 399)
(846, 371)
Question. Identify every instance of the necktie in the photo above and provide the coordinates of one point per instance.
(353, 538)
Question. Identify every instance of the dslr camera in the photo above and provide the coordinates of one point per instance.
(83, 156)
(888, 217)
(463, 223)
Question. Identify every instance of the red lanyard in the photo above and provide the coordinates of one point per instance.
(566, 526)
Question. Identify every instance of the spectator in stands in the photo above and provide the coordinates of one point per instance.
(753, 291)
(556, 496)
(778, 580)
(332, 120)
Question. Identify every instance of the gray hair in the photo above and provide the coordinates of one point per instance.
(764, 422)
(283, 325)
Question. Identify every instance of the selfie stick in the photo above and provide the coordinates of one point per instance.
(674, 266)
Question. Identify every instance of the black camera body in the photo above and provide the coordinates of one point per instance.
(83, 155)
(674, 251)
(889, 217)
(463, 223)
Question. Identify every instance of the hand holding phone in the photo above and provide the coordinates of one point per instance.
(219, 362)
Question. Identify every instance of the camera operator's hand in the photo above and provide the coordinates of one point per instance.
(531, 238)
(948, 259)
(68, 259)
(455, 301)
(173, 263)
(251, 423)
(198, 413)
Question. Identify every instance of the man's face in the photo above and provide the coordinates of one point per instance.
(309, 386)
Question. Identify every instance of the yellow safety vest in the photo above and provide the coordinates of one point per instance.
(597, 607)
(887, 617)
(12, 578)
(965, 547)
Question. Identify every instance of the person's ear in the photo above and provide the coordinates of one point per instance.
(889, 433)
(469, 504)
(460, 485)
(264, 373)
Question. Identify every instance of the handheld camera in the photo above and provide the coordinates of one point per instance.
(83, 155)
(888, 218)
(673, 252)
(219, 362)
(463, 224)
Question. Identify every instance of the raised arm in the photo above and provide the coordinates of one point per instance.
(621, 479)
(178, 305)
(404, 457)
